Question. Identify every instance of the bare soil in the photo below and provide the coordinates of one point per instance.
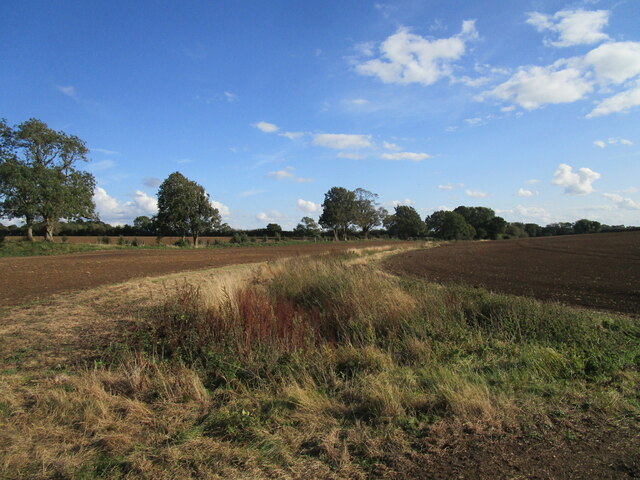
(24, 279)
(599, 271)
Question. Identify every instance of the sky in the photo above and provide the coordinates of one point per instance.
(531, 108)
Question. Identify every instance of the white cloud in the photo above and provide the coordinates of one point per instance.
(534, 212)
(411, 156)
(408, 58)
(575, 183)
(350, 156)
(533, 181)
(622, 202)
(112, 210)
(308, 206)
(231, 97)
(574, 27)
(524, 193)
(292, 135)
(359, 102)
(342, 141)
(476, 193)
(391, 146)
(105, 151)
(474, 122)
(613, 141)
(621, 102)
(223, 210)
(448, 186)
(269, 217)
(266, 127)
(287, 174)
(615, 62)
(532, 87)
(69, 91)
(397, 203)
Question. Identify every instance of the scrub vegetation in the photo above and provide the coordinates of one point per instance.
(316, 368)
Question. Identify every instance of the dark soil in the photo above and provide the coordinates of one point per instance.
(600, 271)
(24, 279)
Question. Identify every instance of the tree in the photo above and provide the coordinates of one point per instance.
(533, 229)
(274, 230)
(338, 211)
(367, 213)
(449, 226)
(143, 225)
(405, 222)
(184, 208)
(586, 226)
(38, 176)
(307, 227)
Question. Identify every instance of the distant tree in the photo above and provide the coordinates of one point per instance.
(405, 222)
(184, 208)
(274, 230)
(480, 219)
(307, 227)
(516, 230)
(143, 225)
(338, 211)
(367, 213)
(586, 226)
(38, 176)
(533, 229)
(449, 225)
(560, 228)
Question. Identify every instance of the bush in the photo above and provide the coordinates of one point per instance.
(122, 241)
(64, 239)
(240, 237)
(137, 243)
(104, 240)
(182, 243)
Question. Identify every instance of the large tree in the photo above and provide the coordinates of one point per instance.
(184, 208)
(338, 211)
(307, 227)
(38, 176)
(484, 221)
(405, 222)
(367, 212)
(449, 226)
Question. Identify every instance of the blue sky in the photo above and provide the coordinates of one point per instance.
(529, 107)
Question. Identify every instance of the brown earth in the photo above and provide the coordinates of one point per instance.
(24, 279)
(600, 271)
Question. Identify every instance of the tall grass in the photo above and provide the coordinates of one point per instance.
(320, 368)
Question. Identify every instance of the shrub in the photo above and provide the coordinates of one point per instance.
(64, 239)
(104, 240)
(122, 241)
(137, 243)
(182, 243)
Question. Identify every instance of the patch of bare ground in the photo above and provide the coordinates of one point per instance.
(25, 279)
(600, 271)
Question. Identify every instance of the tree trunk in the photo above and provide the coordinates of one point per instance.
(29, 222)
(195, 241)
(48, 230)
(335, 235)
(366, 234)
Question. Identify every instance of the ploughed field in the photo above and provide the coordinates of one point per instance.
(600, 271)
(24, 279)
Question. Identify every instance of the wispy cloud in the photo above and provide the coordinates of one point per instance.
(411, 156)
(287, 174)
(341, 141)
(476, 193)
(266, 127)
(69, 91)
(104, 151)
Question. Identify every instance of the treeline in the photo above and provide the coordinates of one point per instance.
(41, 184)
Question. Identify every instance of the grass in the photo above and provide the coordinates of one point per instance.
(23, 248)
(316, 368)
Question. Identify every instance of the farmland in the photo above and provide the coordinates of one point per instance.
(594, 271)
(320, 366)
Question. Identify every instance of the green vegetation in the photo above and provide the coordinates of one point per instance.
(39, 180)
(184, 208)
(325, 366)
(28, 249)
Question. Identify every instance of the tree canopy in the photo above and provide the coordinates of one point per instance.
(338, 211)
(405, 223)
(184, 208)
(39, 180)
(449, 225)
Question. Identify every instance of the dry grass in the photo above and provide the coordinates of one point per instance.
(304, 368)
